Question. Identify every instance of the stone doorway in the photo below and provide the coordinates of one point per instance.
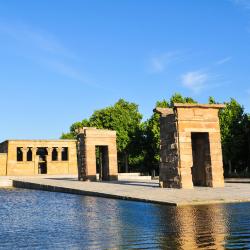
(201, 168)
(102, 163)
(42, 168)
(42, 160)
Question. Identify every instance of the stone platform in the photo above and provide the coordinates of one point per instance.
(144, 191)
(5, 182)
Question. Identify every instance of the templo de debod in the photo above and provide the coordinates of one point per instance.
(35, 157)
(190, 151)
(190, 146)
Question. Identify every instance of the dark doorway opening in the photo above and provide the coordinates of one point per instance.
(201, 169)
(42, 160)
(65, 154)
(29, 155)
(102, 163)
(54, 154)
(42, 168)
(19, 154)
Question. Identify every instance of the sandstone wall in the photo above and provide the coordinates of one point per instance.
(3, 164)
(4, 147)
(25, 167)
(169, 162)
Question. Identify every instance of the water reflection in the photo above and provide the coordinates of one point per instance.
(101, 222)
(43, 220)
(201, 227)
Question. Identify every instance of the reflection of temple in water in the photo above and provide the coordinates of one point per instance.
(102, 223)
(110, 224)
(197, 227)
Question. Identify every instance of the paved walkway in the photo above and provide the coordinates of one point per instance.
(147, 191)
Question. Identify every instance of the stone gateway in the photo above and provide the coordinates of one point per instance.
(190, 146)
(97, 154)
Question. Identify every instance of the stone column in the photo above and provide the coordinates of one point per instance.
(81, 157)
(24, 150)
(90, 160)
(33, 153)
(59, 152)
(49, 156)
(34, 159)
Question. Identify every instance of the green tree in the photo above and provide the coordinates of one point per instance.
(152, 132)
(151, 139)
(178, 98)
(211, 100)
(67, 136)
(75, 128)
(248, 141)
(138, 142)
(125, 118)
(233, 124)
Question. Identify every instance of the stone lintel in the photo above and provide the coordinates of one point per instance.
(94, 132)
(164, 111)
(198, 105)
(39, 140)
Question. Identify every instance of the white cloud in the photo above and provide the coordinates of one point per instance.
(34, 38)
(194, 80)
(157, 64)
(223, 60)
(43, 48)
(67, 70)
(160, 62)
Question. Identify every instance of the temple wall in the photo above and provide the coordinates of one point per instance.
(3, 163)
(4, 147)
(55, 157)
(169, 162)
(26, 167)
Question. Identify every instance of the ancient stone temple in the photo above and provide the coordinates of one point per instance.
(92, 155)
(33, 157)
(190, 147)
(97, 154)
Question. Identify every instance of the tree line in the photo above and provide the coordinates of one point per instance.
(138, 141)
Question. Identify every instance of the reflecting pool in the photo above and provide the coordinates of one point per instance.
(45, 220)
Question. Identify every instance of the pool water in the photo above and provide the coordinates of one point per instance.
(32, 219)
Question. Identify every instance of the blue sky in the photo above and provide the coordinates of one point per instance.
(61, 60)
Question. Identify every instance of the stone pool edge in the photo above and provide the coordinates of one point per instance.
(50, 188)
(53, 188)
